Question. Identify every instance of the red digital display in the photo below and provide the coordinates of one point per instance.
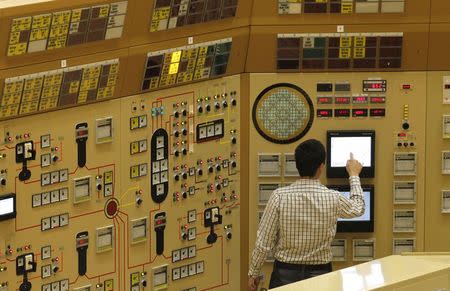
(374, 85)
(342, 112)
(359, 112)
(324, 113)
(377, 112)
(360, 99)
(342, 100)
(324, 100)
(376, 100)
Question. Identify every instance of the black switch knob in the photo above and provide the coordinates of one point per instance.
(233, 102)
(405, 125)
(176, 153)
(139, 201)
(225, 104)
(184, 131)
(210, 169)
(144, 283)
(233, 164)
(233, 140)
(218, 168)
(184, 152)
(176, 133)
(184, 195)
(176, 114)
(229, 235)
(399, 144)
(99, 187)
(184, 236)
(55, 269)
(218, 186)
(200, 109)
(177, 177)
(200, 172)
(3, 181)
(208, 108)
(55, 158)
(217, 105)
(185, 175)
(184, 112)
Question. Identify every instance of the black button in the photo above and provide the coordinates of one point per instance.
(405, 125)
(184, 152)
(185, 175)
(218, 186)
(233, 164)
(99, 187)
(176, 153)
(233, 140)
(184, 195)
(210, 169)
(217, 105)
(184, 112)
(200, 109)
(177, 177)
(218, 168)
(55, 158)
(234, 102)
(200, 172)
(176, 114)
(208, 108)
(225, 104)
(229, 235)
(184, 131)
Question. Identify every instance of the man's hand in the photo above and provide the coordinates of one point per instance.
(353, 166)
(253, 283)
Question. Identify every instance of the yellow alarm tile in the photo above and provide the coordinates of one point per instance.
(61, 17)
(173, 69)
(76, 15)
(19, 24)
(14, 37)
(201, 62)
(112, 80)
(155, 24)
(134, 123)
(346, 8)
(108, 177)
(176, 56)
(135, 278)
(82, 97)
(17, 49)
(154, 82)
(104, 11)
(41, 21)
(344, 53)
(74, 87)
(39, 33)
(114, 69)
(134, 148)
(345, 41)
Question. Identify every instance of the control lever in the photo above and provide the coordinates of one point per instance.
(82, 243)
(81, 136)
(25, 152)
(160, 225)
(212, 217)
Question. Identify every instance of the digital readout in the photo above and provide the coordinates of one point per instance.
(324, 100)
(374, 85)
(377, 99)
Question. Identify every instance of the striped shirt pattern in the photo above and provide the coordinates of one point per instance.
(299, 222)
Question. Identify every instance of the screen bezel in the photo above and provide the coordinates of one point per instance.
(341, 172)
(12, 214)
(358, 225)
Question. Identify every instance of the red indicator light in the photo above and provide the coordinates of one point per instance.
(377, 99)
(406, 86)
(378, 112)
(324, 113)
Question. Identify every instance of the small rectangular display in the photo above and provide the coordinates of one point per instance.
(342, 100)
(359, 112)
(7, 207)
(342, 87)
(324, 113)
(374, 85)
(342, 112)
(377, 100)
(377, 112)
(360, 99)
(324, 100)
(324, 87)
(363, 223)
(343, 142)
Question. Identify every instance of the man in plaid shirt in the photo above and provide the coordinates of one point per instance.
(299, 222)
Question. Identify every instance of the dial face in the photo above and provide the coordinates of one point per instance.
(283, 113)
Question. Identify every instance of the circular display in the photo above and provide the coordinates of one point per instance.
(283, 113)
(111, 208)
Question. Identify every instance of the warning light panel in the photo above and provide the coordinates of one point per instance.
(377, 112)
(360, 99)
(324, 113)
(342, 100)
(324, 100)
(377, 100)
(360, 112)
(342, 112)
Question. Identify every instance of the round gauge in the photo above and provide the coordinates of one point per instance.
(283, 113)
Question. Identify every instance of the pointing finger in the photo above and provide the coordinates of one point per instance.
(351, 156)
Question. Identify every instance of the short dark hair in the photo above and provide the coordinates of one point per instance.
(309, 155)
